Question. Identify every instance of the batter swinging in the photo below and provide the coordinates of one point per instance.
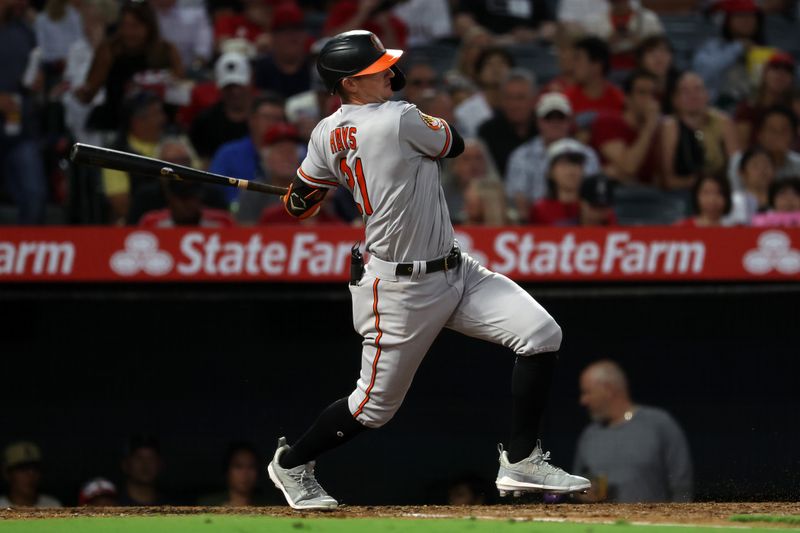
(417, 281)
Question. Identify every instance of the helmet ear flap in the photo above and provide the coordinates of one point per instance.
(399, 80)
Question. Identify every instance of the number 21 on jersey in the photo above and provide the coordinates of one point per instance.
(362, 184)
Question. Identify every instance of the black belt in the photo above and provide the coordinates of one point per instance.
(448, 262)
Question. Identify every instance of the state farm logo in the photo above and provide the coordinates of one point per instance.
(774, 252)
(141, 254)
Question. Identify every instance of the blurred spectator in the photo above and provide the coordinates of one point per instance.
(515, 120)
(22, 173)
(485, 204)
(141, 466)
(574, 12)
(513, 21)
(240, 158)
(98, 492)
(756, 173)
(655, 55)
(592, 92)
(227, 119)
(624, 27)
(371, 15)
(286, 69)
(57, 27)
(526, 178)
(784, 200)
(631, 452)
(565, 53)
(474, 164)
(241, 479)
(597, 201)
(775, 133)
(492, 69)
(467, 490)
(628, 143)
(279, 151)
(96, 15)
(722, 61)
(565, 173)
(698, 139)
(474, 41)
(143, 126)
(187, 27)
(186, 201)
(244, 32)
(135, 47)
(775, 88)
(22, 471)
(711, 202)
(421, 81)
(427, 21)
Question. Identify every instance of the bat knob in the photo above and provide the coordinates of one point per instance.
(73, 153)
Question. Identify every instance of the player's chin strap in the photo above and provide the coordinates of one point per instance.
(302, 200)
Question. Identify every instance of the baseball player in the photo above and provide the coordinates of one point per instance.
(416, 281)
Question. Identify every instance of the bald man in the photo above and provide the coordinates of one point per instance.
(635, 453)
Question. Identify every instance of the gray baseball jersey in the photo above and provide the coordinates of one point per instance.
(387, 156)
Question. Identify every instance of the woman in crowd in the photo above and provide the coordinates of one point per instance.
(136, 46)
(697, 139)
(756, 172)
(241, 479)
(776, 85)
(711, 201)
(655, 55)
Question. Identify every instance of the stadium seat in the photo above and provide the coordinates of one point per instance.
(637, 205)
(687, 32)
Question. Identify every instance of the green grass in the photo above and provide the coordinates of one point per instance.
(780, 519)
(256, 524)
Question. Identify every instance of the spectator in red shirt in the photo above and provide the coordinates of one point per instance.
(777, 80)
(371, 15)
(592, 92)
(711, 201)
(561, 207)
(628, 143)
(597, 201)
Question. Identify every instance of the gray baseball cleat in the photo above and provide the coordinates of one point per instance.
(298, 484)
(535, 474)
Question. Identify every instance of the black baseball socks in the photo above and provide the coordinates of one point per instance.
(530, 386)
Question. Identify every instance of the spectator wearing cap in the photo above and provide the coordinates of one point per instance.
(187, 27)
(286, 69)
(98, 492)
(624, 26)
(514, 121)
(711, 202)
(526, 176)
(592, 92)
(226, 120)
(240, 158)
(279, 152)
(777, 81)
(597, 201)
(135, 46)
(186, 202)
(697, 140)
(722, 61)
(143, 127)
(22, 471)
(561, 206)
(141, 466)
(628, 143)
(371, 15)
(776, 132)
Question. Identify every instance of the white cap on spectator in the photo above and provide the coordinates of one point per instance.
(564, 147)
(232, 68)
(553, 102)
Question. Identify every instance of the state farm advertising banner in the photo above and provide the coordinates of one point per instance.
(320, 254)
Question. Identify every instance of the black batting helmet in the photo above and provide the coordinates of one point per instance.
(357, 53)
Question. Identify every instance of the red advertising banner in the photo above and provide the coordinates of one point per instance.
(320, 254)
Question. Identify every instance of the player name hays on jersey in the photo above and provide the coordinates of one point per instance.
(343, 138)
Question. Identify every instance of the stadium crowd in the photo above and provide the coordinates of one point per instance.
(577, 112)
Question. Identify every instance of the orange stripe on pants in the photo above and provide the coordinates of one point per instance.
(377, 345)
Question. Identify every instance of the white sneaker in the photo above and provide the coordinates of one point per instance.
(298, 484)
(536, 474)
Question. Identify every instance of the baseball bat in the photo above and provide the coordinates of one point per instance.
(86, 154)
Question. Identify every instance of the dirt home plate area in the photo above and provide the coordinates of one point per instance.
(539, 518)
